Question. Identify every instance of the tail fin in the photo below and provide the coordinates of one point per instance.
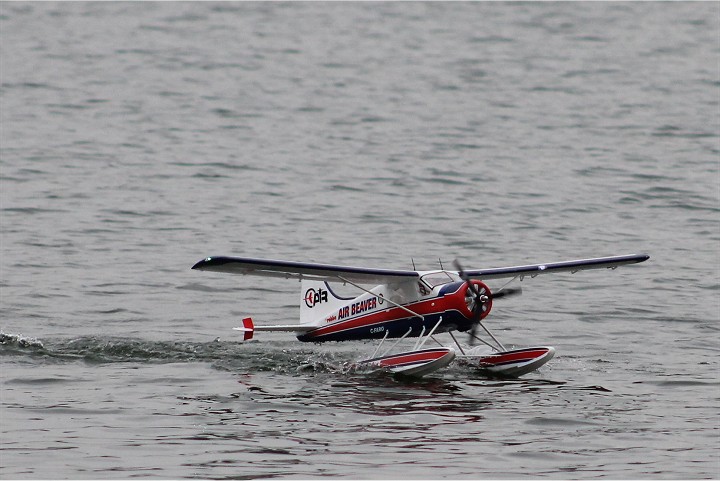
(248, 328)
(318, 303)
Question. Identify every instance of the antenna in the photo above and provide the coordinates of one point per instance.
(413, 263)
(441, 266)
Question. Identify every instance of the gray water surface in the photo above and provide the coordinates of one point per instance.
(139, 138)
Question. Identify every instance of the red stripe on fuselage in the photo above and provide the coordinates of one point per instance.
(435, 305)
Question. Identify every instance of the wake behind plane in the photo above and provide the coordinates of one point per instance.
(407, 304)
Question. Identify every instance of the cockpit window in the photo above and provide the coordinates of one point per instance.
(437, 279)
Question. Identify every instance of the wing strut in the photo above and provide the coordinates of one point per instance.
(389, 300)
(396, 342)
(457, 343)
(419, 344)
(502, 348)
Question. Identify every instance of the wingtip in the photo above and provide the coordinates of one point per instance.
(200, 264)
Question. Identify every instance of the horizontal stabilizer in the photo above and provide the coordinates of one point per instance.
(286, 328)
(249, 327)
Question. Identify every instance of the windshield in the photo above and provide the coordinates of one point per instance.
(437, 279)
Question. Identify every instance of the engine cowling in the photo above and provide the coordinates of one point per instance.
(471, 299)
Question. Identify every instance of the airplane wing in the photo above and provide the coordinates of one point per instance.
(566, 266)
(303, 270)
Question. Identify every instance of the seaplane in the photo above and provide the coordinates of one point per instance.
(408, 304)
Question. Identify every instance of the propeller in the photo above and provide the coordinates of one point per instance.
(478, 298)
(506, 292)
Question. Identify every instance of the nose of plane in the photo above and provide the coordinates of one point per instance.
(478, 299)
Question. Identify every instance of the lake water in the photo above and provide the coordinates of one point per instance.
(139, 138)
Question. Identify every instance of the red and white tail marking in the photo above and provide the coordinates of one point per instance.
(248, 328)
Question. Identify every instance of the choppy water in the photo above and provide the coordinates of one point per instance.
(138, 138)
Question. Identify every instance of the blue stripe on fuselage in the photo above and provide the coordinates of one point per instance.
(450, 288)
(452, 320)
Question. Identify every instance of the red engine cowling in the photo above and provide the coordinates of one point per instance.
(471, 298)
